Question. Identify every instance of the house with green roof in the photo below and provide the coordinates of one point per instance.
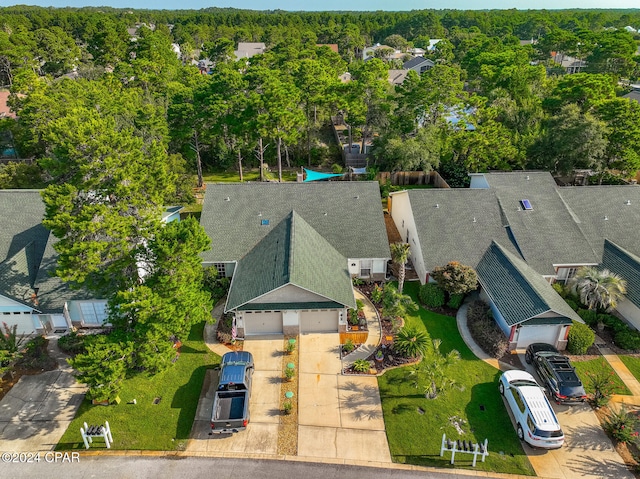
(553, 230)
(292, 250)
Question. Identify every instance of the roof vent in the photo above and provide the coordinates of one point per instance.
(437, 205)
(227, 199)
(325, 213)
(527, 177)
(628, 203)
(260, 214)
(606, 218)
(356, 197)
(474, 219)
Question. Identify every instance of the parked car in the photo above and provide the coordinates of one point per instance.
(536, 423)
(556, 372)
(231, 399)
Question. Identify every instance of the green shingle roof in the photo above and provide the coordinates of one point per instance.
(446, 228)
(347, 214)
(547, 234)
(627, 265)
(291, 253)
(620, 205)
(15, 280)
(517, 290)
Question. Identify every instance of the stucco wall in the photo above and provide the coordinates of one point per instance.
(289, 294)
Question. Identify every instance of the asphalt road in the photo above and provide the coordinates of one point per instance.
(122, 467)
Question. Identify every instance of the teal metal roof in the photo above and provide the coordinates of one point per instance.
(627, 265)
(291, 253)
(517, 290)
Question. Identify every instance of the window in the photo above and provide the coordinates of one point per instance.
(93, 313)
(518, 400)
(365, 267)
(221, 268)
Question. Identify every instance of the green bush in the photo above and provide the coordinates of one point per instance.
(348, 346)
(560, 289)
(455, 300)
(621, 425)
(581, 337)
(572, 304)
(336, 168)
(431, 295)
(627, 339)
(411, 342)
(376, 294)
(71, 343)
(361, 365)
(588, 316)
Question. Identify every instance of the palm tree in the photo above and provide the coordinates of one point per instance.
(434, 368)
(598, 289)
(400, 253)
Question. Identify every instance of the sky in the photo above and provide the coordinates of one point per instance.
(353, 5)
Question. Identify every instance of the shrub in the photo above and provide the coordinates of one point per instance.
(72, 343)
(455, 300)
(627, 339)
(431, 295)
(336, 168)
(456, 278)
(560, 289)
(376, 294)
(485, 331)
(289, 373)
(581, 337)
(602, 385)
(359, 304)
(361, 365)
(588, 316)
(572, 304)
(621, 425)
(287, 407)
(411, 342)
(348, 346)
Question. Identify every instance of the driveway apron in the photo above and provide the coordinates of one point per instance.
(340, 417)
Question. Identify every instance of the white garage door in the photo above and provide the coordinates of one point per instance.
(323, 321)
(262, 322)
(547, 333)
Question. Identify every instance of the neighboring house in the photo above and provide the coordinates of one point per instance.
(633, 95)
(570, 64)
(332, 46)
(520, 223)
(630, 29)
(387, 52)
(345, 77)
(292, 249)
(5, 111)
(418, 64)
(247, 50)
(397, 77)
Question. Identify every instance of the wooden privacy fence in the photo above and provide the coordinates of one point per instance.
(404, 178)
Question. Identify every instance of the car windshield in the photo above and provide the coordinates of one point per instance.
(572, 390)
(523, 382)
(541, 433)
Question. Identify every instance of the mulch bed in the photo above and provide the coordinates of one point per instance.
(288, 429)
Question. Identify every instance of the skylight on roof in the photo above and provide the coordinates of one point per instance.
(264, 222)
(526, 204)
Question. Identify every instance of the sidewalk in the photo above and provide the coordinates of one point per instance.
(375, 332)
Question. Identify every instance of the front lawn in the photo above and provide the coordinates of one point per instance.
(415, 424)
(232, 176)
(633, 363)
(164, 426)
(598, 366)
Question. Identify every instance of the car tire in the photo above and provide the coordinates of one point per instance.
(520, 432)
(501, 388)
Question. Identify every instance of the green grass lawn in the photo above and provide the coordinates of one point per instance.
(247, 175)
(165, 426)
(594, 366)
(415, 424)
(633, 363)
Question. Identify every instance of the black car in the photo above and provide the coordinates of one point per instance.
(556, 372)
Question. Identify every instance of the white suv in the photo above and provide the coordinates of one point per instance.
(536, 423)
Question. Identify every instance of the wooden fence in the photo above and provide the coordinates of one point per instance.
(407, 178)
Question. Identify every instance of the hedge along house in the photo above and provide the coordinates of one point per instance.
(292, 249)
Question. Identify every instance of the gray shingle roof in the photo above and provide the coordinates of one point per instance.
(590, 205)
(547, 234)
(347, 214)
(15, 280)
(292, 253)
(625, 264)
(414, 62)
(446, 229)
(633, 95)
(518, 291)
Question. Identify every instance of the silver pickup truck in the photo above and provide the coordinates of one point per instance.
(231, 401)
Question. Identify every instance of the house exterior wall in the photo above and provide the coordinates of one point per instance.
(402, 216)
(630, 312)
(502, 324)
(376, 266)
(288, 294)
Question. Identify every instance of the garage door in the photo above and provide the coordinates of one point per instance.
(538, 334)
(262, 322)
(322, 321)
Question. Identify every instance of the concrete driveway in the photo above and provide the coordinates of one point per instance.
(587, 451)
(37, 411)
(261, 435)
(339, 417)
